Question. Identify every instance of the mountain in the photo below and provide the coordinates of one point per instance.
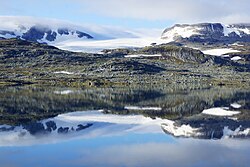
(76, 37)
(54, 31)
(208, 127)
(208, 33)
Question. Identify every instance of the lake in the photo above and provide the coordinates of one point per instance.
(190, 126)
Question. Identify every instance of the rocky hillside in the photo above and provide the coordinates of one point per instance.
(208, 32)
(24, 62)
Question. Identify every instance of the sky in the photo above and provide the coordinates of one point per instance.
(131, 13)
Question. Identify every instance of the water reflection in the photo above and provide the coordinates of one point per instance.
(177, 153)
(141, 126)
(20, 105)
(87, 124)
(182, 111)
(132, 150)
(93, 124)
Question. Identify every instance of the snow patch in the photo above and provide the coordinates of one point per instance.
(98, 116)
(230, 28)
(236, 58)
(64, 92)
(184, 32)
(64, 72)
(220, 112)
(235, 105)
(227, 133)
(142, 108)
(220, 51)
(225, 56)
(236, 44)
(95, 46)
(142, 55)
(183, 130)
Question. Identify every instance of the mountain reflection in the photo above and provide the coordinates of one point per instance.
(175, 110)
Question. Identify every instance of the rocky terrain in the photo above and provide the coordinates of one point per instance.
(24, 62)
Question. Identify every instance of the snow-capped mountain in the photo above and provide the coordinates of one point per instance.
(208, 32)
(91, 124)
(54, 31)
(76, 125)
(74, 37)
(49, 30)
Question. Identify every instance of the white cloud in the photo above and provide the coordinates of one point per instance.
(178, 10)
(143, 11)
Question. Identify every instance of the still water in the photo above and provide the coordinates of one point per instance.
(145, 126)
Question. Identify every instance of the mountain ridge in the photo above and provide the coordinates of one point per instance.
(208, 32)
(77, 37)
(49, 30)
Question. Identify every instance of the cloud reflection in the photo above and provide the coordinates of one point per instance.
(185, 152)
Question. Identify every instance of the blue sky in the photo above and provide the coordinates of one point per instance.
(73, 11)
(131, 13)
